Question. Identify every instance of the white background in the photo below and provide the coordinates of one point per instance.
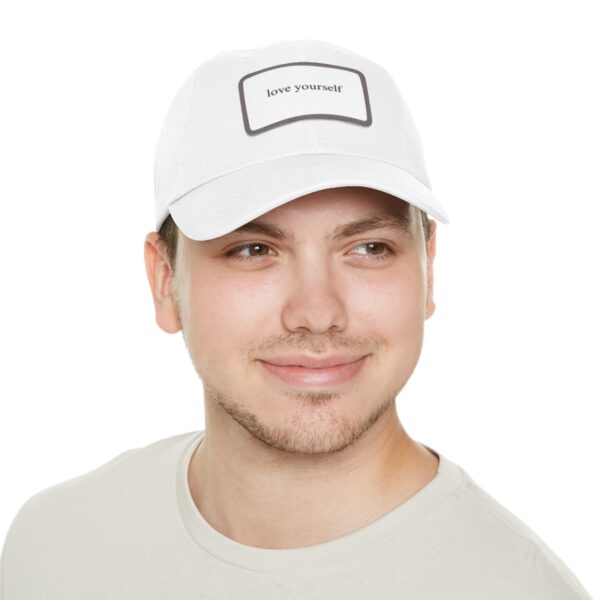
(505, 96)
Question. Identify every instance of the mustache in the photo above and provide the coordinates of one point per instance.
(334, 343)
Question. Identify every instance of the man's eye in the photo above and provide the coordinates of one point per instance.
(235, 252)
(253, 246)
(378, 255)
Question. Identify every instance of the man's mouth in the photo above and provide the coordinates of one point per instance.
(330, 372)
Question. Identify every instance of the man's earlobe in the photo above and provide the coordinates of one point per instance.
(160, 278)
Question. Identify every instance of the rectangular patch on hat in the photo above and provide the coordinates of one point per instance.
(303, 90)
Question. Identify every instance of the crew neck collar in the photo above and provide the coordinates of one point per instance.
(448, 477)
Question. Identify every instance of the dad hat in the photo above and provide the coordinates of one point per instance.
(253, 129)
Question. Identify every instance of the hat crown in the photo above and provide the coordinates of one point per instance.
(288, 98)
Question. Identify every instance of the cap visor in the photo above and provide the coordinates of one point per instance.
(224, 203)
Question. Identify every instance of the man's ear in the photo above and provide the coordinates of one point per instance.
(430, 307)
(160, 277)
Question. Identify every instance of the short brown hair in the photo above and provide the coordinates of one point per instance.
(169, 233)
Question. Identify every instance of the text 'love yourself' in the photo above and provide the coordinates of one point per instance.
(302, 87)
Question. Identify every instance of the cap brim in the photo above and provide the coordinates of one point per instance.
(223, 204)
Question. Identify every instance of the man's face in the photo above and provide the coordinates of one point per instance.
(367, 294)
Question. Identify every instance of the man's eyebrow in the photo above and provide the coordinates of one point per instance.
(389, 220)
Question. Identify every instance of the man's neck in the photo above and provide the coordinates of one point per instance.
(257, 509)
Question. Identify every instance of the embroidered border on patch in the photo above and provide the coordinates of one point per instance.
(290, 92)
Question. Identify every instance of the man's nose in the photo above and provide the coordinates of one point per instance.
(314, 298)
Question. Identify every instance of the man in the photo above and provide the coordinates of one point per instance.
(294, 252)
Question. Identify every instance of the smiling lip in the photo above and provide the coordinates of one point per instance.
(318, 376)
(310, 362)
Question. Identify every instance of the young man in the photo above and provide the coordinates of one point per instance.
(294, 252)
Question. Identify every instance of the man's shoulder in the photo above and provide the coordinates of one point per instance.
(121, 482)
(124, 468)
(495, 538)
(98, 513)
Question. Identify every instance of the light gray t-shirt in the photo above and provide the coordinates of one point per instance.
(130, 530)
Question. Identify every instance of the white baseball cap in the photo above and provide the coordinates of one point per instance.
(253, 129)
